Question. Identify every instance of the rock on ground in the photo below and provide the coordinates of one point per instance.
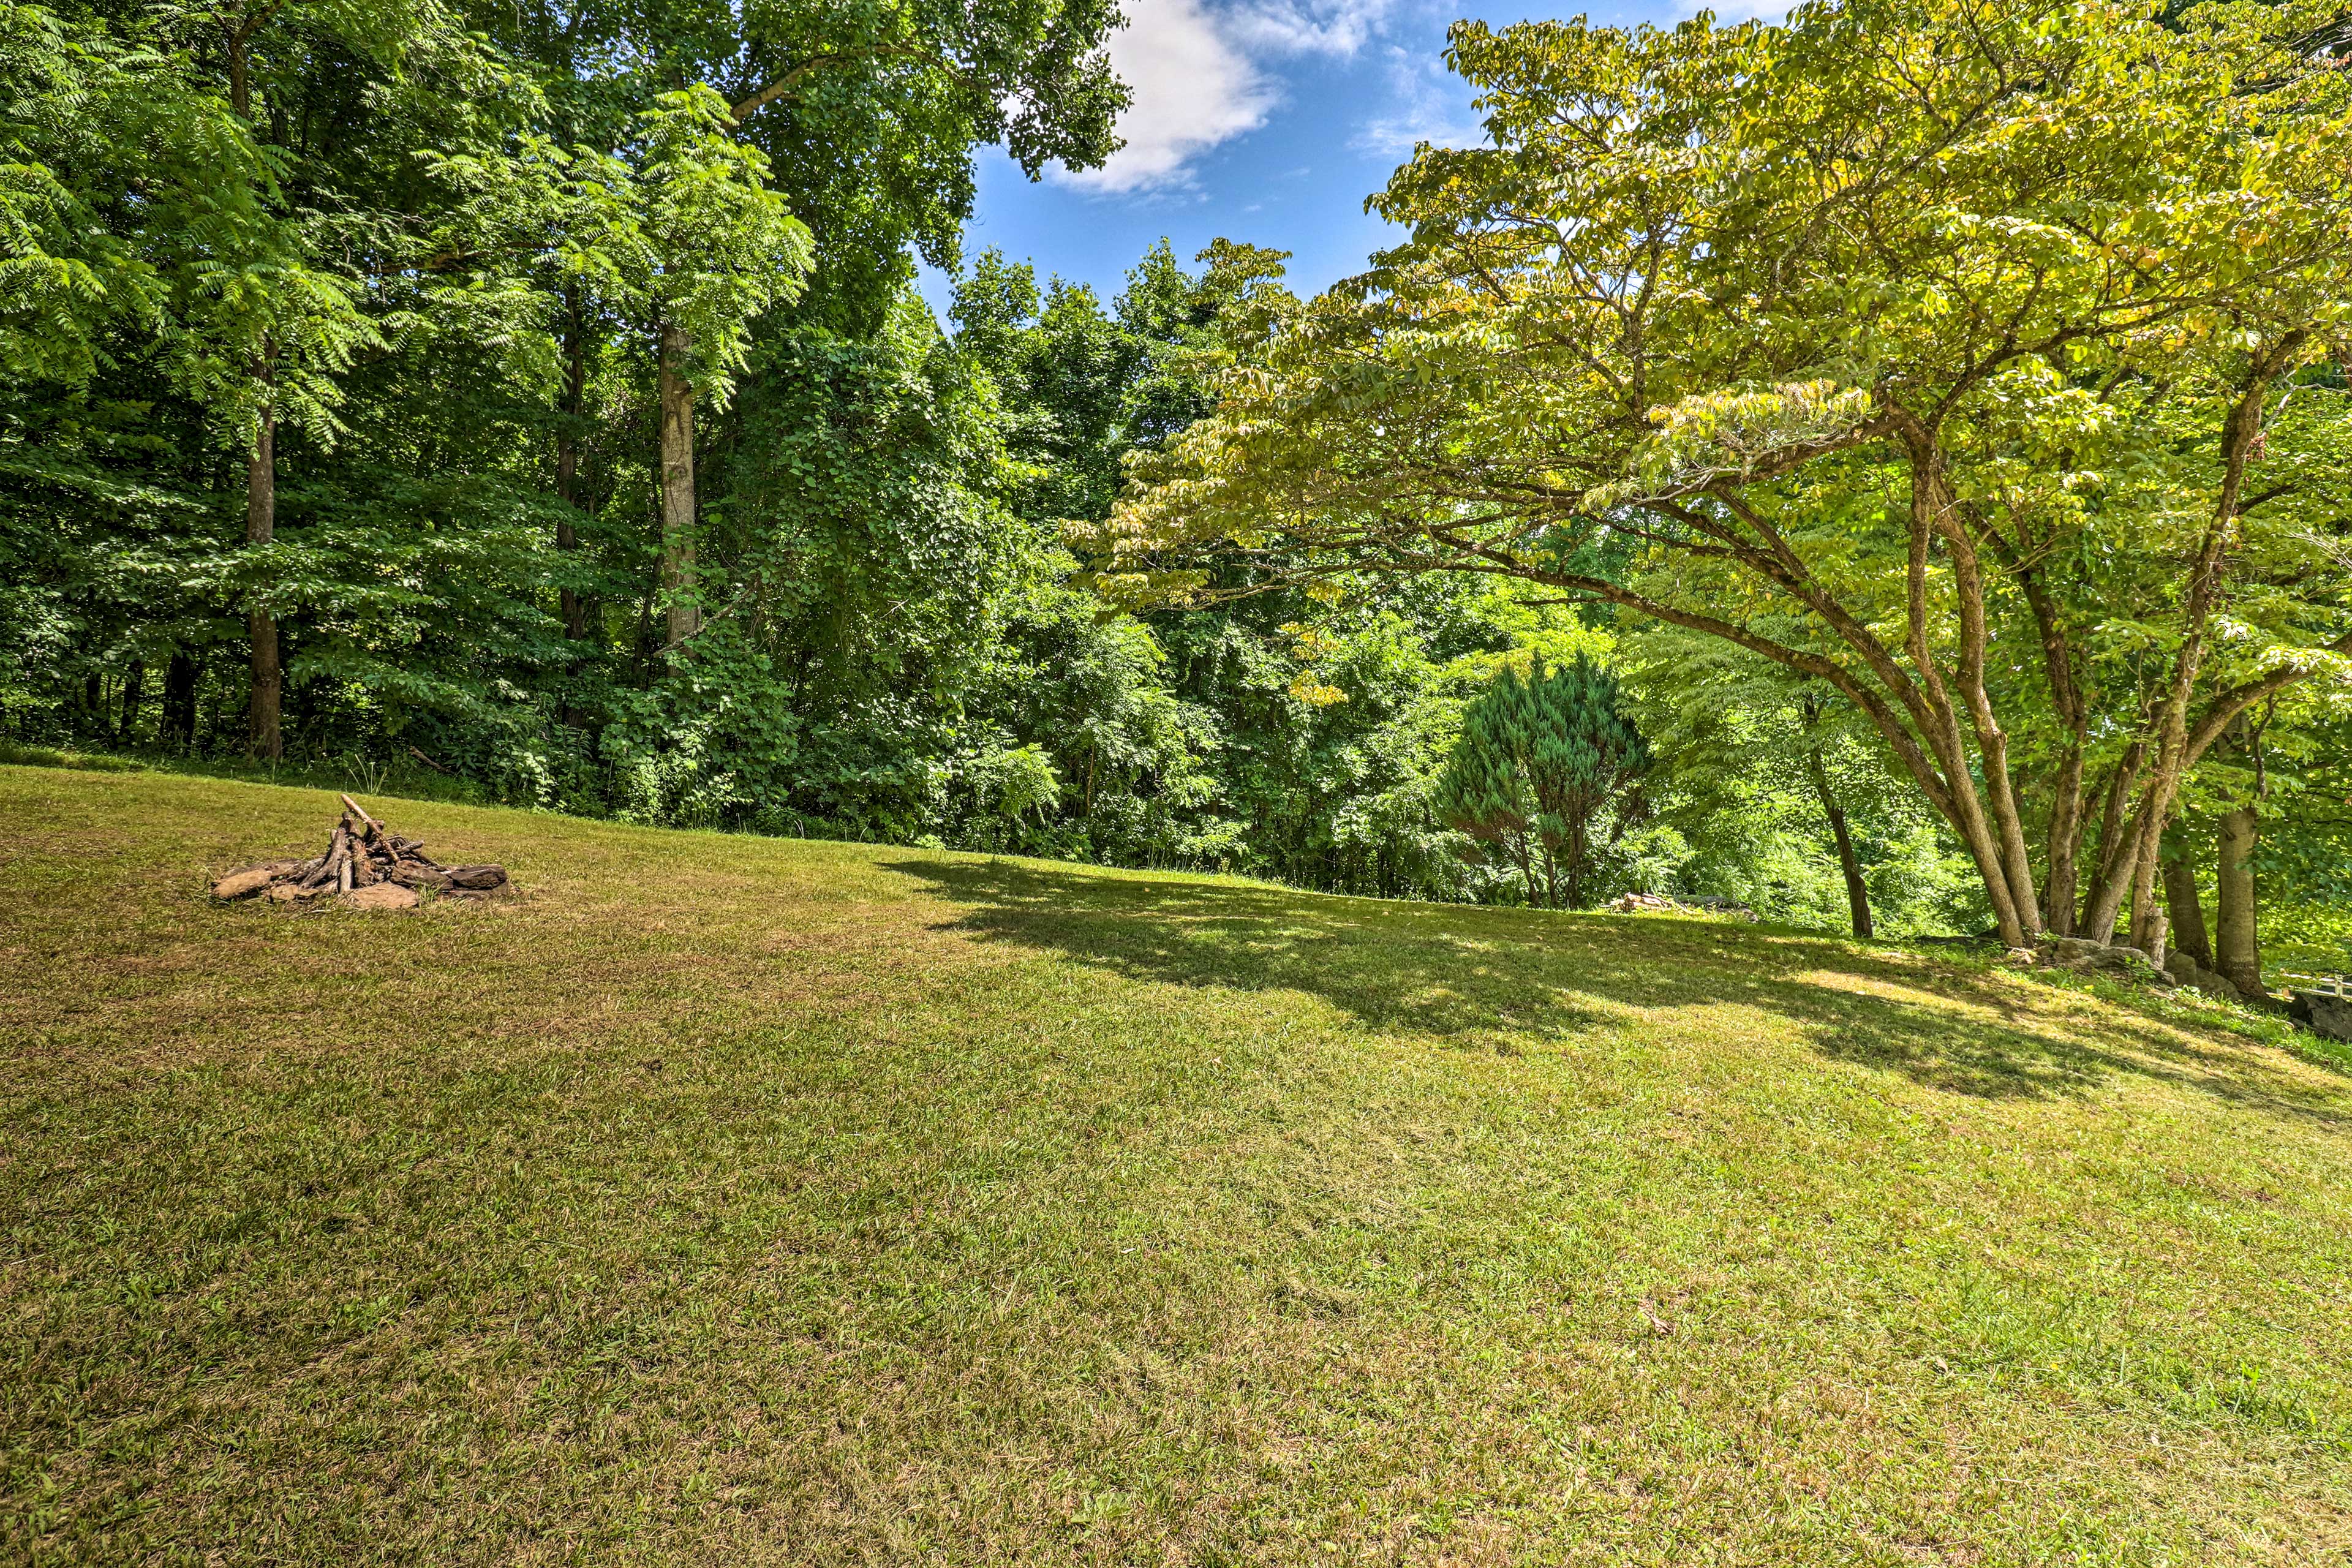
(2087, 957)
(2325, 1015)
(382, 896)
(2187, 972)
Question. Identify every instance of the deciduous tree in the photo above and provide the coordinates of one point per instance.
(1969, 356)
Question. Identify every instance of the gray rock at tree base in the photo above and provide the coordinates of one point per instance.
(2188, 972)
(2323, 1013)
(1683, 903)
(2327, 1016)
(2085, 956)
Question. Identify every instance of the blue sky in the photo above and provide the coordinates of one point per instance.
(1265, 121)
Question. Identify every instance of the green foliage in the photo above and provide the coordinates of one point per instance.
(680, 225)
(1736, 740)
(1539, 759)
(2008, 413)
(709, 245)
(1485, 791)
(436, 244)
(869, 110)
(65, 279)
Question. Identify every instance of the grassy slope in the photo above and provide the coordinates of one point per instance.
(730, 1200)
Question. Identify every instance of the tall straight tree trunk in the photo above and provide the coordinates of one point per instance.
(1857, 893)
(2237, 947)
(134, 697)
(2116, 796)
(2146, 915)
(567, 461)
(2066, 841)
(179, 722)
(262, 737)
(2181, 901)
(677, 485)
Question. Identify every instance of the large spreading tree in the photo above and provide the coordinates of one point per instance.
(1977, 359)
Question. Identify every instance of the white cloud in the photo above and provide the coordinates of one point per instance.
(1191, 88)
(1428, 102)
(1197, 73)
(1305, 26)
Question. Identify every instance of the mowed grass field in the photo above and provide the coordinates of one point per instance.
(723, 1200)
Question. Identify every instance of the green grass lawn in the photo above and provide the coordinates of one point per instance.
(729, 1200)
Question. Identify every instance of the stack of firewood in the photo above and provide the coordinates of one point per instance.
(367, 866)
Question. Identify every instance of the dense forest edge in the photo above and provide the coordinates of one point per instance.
(532, 404)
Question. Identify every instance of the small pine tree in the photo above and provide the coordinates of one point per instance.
(1537, 760)
(1583, 753)
(1483, 792)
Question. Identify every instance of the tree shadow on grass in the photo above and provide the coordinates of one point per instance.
(1460, 974)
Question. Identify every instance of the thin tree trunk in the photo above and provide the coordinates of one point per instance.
(567, 462)
(1987, 822)
(2114, 820)
(678, 486)
(2061, 886)
(262, 737)
(1857, 893)
(262, 731)
(2181, 901)
(2173, 740)
(2147, 914)
(179, 721)
(240, 90)
(1920, 724)
(134, 697)
(2237, 947)
(2149, 927)
(1580, 860)
(2008, 822)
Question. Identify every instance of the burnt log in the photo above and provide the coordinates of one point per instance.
(244, 884)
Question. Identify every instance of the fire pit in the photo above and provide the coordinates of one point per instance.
(366, 865)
